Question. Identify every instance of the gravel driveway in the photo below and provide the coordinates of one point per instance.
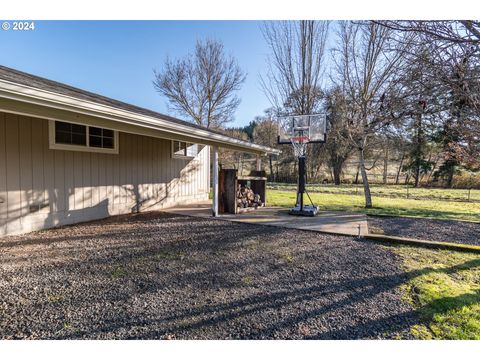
(163, 276)
(462, 232)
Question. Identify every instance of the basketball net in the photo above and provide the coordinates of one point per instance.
(299, 144)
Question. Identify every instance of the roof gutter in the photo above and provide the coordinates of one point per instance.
(35, 96)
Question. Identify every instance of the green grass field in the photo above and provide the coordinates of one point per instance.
(436, 209)
(392, 191)
(444, 289)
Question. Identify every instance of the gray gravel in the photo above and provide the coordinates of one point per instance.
(461, 232)
(162, 276)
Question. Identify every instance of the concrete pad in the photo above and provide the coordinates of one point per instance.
(337, 222)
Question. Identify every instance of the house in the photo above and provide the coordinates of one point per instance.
(68, 156)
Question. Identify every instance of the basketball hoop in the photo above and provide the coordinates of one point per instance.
(300, 130)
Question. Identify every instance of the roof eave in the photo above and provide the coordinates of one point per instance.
(30, 95)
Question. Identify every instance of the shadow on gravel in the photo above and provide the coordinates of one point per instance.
(462, 232)
(155, 276)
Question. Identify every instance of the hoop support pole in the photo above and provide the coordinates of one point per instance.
(301, 181)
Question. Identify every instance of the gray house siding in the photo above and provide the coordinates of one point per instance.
(42, 188)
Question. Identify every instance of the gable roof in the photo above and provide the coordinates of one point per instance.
(27, 84)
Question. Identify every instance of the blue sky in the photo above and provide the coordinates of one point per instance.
(117, 58)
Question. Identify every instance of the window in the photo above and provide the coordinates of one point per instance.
(181, 149)
(69, 136)
(101, 138)
(192, 150)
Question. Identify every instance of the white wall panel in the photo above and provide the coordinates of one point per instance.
(42, 188)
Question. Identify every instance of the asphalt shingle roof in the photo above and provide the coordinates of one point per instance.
(22, 78)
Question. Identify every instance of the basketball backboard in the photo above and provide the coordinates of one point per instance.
(302, 128)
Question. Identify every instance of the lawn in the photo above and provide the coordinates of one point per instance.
(436, 209)
(444, 288)
(392, 191)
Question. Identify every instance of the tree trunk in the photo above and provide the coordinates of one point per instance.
(397, 179)
(433, 170)
(418, 149)
(450, 177)
(417, 176)
(385, 165)
(366, 186)
(270, 163)
(317, 171)
(337, 172)
(356, 175)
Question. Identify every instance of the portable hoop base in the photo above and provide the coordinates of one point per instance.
(308, 210)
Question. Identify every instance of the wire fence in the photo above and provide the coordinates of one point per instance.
(388, 191)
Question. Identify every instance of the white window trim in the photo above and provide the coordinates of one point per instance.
(183, 157)
(87, 148)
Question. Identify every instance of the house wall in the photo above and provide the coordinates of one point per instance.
(42, 188)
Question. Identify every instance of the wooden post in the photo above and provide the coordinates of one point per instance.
(215, 181)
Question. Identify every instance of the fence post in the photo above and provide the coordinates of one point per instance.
(407, 192)
(469, 191)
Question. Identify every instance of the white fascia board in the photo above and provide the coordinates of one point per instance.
(37, 96)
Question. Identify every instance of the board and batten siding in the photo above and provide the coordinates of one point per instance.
(42, 188)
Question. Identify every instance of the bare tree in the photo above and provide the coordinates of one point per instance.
(202, 85)
(446, 31)
(296, 65)
(366, 63)
(453, 83)
(293, 83)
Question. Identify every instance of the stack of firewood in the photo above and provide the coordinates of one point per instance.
(247, 198)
